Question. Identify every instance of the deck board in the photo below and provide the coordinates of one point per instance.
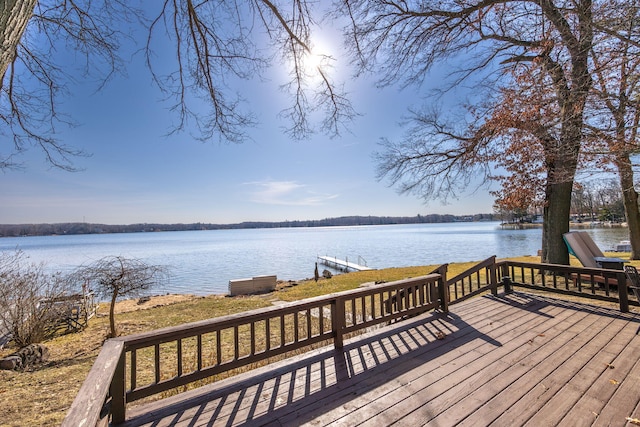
(509, 360)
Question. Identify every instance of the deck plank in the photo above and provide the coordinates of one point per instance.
(508, 360)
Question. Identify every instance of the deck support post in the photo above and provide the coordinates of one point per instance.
(623, 292)
(338, 323)
(117, 391)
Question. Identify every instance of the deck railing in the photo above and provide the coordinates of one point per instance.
(474, 281)
(137, 366)
(593, 283)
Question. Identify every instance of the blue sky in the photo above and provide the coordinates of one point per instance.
(138, 174)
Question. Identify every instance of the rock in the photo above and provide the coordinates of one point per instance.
(10, 363)
(33, 354)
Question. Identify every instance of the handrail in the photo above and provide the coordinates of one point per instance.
(86, 409)
(116, 377)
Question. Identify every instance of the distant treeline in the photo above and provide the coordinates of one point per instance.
(15, 230)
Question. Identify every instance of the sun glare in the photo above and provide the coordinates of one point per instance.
(320, 58)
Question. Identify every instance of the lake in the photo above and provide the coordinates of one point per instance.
(203, 262)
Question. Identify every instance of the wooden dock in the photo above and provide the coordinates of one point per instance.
(341, 264)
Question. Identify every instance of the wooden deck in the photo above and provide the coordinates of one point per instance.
(505, 361)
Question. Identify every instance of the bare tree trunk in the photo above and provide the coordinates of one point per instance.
(14, 17)
(112, 315)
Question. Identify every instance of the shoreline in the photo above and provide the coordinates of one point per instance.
(572, 225)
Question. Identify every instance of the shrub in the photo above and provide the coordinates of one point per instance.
(26, 292)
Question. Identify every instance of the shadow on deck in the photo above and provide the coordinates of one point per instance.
(510, 360)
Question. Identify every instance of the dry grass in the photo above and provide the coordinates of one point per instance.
(42, 396)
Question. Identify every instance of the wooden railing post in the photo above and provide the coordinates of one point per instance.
(443, 289)
(623, 292)
(86, 409)
(117, 391)
(338, 322)
(494, 278)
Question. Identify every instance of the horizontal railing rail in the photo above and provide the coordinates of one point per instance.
(145, 364)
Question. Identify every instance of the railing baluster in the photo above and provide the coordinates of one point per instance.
(157, 363)
(338, 322)
(267, 331)
(179, 357)
(353, 311)
(199, 350)
(218, 347)
(134, 369)
(236, 343)
(252, 332)
(282, 337)
(372, 304)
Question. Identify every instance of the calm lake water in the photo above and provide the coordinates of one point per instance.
(203, 262)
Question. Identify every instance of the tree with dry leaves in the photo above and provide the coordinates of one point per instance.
(214, 43)
(611, 124)
(547, 42)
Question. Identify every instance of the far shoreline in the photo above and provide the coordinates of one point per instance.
(572, 225)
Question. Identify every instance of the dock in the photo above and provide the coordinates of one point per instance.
(342, 264)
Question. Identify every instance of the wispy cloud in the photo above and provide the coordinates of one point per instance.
(288, 193)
